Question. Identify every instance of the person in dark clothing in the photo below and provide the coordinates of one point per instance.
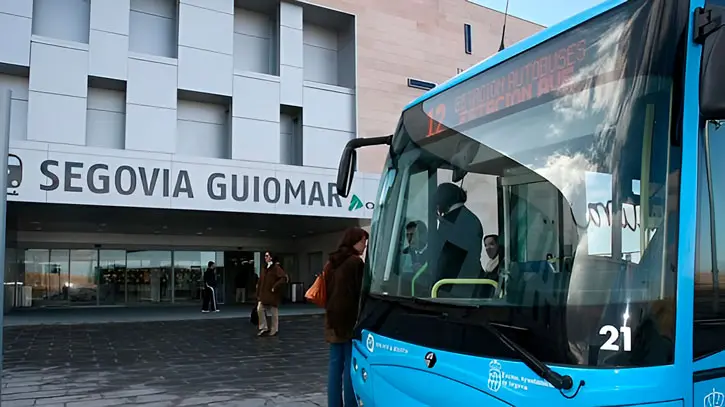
(343, 281)
(415, 259)
(209, 295)
(269, 295)
(416, 233)
(459, 240)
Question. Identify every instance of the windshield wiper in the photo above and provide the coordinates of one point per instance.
(559, 382)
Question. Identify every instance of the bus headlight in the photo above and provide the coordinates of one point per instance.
(354, 364)
(364, 375)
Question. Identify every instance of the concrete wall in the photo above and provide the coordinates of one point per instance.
(196, 78)
(420, 39)
(340, 67)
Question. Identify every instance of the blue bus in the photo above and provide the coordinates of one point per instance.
(549, 223)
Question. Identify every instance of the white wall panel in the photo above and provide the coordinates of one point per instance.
(58, 69)
(150, 128)
(56, 118)
(256, 98)
(15, 44)
(110, 16)
(108, 55)
(152, 83)
(205, 71)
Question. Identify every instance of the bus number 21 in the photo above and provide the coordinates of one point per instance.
(613, 333)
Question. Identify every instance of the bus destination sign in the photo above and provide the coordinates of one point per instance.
(507, 85)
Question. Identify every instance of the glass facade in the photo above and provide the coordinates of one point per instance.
(98, 277)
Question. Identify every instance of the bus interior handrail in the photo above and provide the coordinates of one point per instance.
(461, 281)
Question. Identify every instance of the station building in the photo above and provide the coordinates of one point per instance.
(148, 137)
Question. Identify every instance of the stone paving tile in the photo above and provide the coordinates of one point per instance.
(214, 362)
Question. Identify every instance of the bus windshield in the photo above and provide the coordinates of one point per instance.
(543, 193)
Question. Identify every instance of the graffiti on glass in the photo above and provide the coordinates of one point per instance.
(599, 214)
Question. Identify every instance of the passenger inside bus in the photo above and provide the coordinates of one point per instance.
(493, 251)
(414, 259)
(491, 270)
(458, 240)
(416, 233)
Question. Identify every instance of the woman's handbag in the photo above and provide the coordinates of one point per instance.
(254, 316)
(317, 294)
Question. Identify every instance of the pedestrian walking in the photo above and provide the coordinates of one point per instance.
(269, 295)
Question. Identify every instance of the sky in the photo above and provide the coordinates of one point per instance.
(553, 12)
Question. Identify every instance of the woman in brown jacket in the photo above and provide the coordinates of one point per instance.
(269, 295)
(343, 282)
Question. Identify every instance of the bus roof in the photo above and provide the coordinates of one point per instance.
(518, 48)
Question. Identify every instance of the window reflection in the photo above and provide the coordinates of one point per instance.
(148, 276)
(187, 275)
(57, 272)
(112, 276)
(82, 286)
(62, 277)
(38, 277)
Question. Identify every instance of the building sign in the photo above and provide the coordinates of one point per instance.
(59, 177)
(15, 173)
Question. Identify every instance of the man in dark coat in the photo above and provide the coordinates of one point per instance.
(269, 295)
(459, 240)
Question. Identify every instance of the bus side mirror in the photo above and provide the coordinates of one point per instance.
(346, 170)
(710, 34)
(348, 161)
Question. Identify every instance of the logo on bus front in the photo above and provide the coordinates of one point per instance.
(714, 399)
(370, 343)
(495, 376)
(430, 359)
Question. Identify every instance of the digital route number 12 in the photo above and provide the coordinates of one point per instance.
(435, 118)
(613, 333)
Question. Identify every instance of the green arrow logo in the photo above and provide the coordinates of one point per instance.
(355, 203)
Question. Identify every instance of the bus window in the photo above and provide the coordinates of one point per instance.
(709, 306)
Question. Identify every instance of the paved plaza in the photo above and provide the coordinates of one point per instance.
(196, 362)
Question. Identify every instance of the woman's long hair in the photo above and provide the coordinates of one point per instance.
(346, 247)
